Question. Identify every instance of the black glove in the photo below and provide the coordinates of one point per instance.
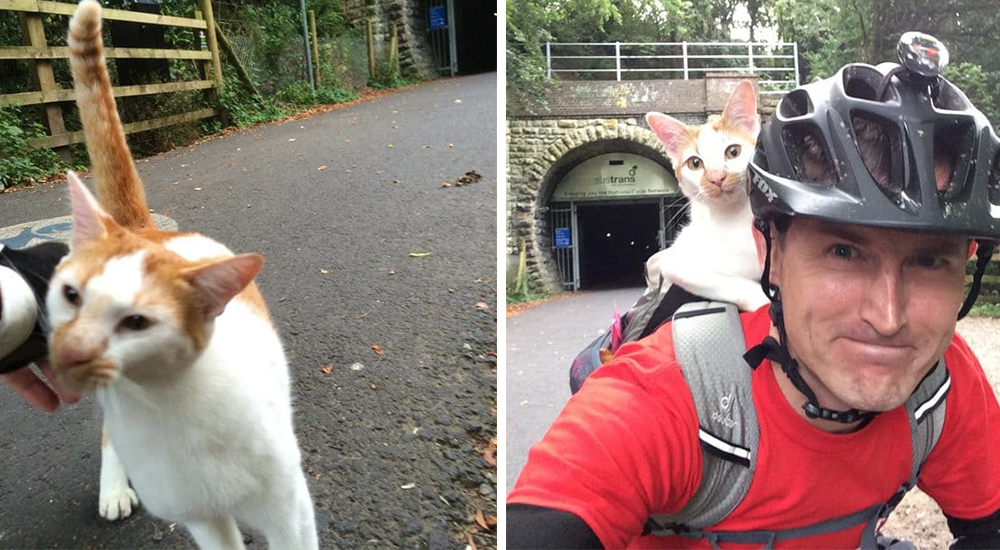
(35, 266)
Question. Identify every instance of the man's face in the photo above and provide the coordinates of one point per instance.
(868, 311)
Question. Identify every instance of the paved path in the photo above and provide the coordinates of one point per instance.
(541, 344)
(339, 279)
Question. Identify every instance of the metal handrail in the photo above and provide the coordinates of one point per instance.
(624, 64)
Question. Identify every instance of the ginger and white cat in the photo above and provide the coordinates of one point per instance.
(714, 256)
(170, 333)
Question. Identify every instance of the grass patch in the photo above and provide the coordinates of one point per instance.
(985, 310)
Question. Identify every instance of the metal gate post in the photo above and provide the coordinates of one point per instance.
(452, 46)
(575, 236)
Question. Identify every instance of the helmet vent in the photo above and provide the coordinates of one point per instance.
(795, 104)
(949, 98)
(880, 146)
(863, 81)
(954, 144)
(809, 155)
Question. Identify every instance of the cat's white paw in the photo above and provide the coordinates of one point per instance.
(117, 503)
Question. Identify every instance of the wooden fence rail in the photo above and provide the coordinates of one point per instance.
(48, 93)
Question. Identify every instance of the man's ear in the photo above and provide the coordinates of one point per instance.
(758, 239)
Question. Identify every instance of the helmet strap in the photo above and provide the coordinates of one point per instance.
(777, 350)
(983, 255)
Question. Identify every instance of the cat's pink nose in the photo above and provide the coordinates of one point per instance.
(76, 355)
(716, 177)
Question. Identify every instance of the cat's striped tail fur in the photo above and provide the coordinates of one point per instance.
(119, 189)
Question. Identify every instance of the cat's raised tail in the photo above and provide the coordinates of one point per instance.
(119, 189)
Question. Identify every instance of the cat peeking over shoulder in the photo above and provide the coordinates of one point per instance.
(170, 333)
(714, 256)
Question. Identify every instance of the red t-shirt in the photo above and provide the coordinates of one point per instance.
(626, 447)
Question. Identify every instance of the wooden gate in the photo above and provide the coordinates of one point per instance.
(49, 94)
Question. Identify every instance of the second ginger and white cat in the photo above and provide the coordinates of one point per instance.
(714, 256)
(170, 333)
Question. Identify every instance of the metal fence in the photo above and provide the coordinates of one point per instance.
(774, 63)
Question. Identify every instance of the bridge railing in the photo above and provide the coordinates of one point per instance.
(774, 63)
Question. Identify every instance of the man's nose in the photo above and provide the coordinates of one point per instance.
(884, 305)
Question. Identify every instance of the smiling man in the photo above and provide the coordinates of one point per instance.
(871, 190)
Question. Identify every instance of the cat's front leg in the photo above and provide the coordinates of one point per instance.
(218, 533)
(116, 498)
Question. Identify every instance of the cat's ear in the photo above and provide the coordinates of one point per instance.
(89, 220)
(672, 133)
(220, 281)
(741, 109)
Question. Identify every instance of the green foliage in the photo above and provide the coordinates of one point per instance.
(19, 162)
(388, 77)
(985, 310)
(531, 292)
(832, 33)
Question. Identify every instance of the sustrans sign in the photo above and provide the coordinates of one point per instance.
(616, 176)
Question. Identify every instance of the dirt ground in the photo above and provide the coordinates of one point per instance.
(918, 519)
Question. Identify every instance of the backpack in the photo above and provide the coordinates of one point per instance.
(709, 346)
(655, 307)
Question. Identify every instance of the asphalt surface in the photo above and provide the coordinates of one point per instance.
(393, 448)
(541, 344)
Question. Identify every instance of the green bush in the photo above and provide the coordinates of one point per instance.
(20, 163)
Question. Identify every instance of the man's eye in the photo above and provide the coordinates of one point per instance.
(929, 262)
(843, 251)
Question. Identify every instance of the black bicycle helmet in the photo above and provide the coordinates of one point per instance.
(928, 161)
(808, 161)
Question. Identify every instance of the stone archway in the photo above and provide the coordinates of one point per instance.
(539, 180)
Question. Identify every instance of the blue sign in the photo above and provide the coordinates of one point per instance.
(438, 18)
(562, 237)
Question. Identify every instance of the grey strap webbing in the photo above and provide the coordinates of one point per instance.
(643, 309)
(709, 346)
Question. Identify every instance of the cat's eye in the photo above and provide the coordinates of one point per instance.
(71, 294)
(694, 163)
(733, 151)
(135, 323)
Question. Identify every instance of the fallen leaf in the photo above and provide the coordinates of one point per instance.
(428, 146)
(481, 520)
(409, 486)
(489, 455)
(317, 476)
(357, 366)
(391, 146)
(283, 298)
(458, 101)
(321, 168)
(377, 349)
(478, 280)
(419, 254)
(491, 521)
(397, 182)
(472, 544)
(492, 353)
(451, 145)
(446, 184)
(197, 188)
(328, 369)
(291, 139)
(392, 272)
(483, 306)
(323, 271)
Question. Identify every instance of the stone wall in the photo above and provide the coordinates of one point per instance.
(584, 119)
(415, 56)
